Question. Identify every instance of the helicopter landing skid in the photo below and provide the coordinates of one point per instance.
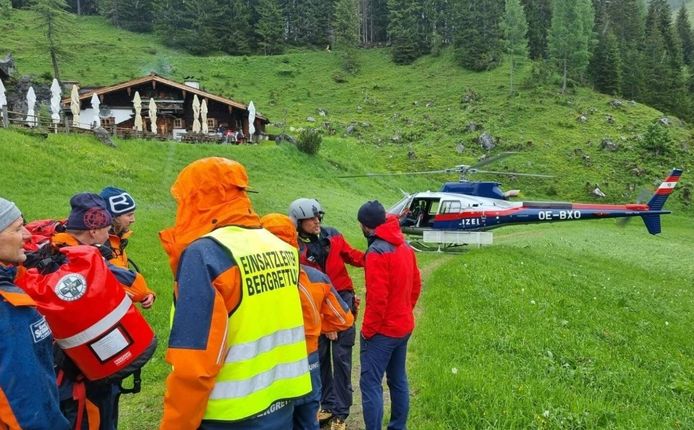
(420, 246)
(448, 240)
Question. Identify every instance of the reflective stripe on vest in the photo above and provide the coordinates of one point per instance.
(266, 359)
(97, 328)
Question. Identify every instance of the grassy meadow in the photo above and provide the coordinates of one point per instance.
(557, 326)
(572, 326)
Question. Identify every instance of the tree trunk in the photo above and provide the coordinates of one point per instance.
(511, 76)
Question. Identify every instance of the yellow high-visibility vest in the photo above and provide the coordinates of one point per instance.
(266, 358)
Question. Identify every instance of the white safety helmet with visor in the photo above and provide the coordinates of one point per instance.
(304, 208)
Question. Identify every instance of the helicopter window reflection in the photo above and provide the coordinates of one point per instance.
(451, 207)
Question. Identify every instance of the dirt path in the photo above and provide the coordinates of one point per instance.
(355, 421)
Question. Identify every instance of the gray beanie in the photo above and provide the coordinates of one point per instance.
(8, 213)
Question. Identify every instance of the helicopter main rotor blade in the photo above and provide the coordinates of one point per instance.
(493, 159)
(368, 175)
(536, 175)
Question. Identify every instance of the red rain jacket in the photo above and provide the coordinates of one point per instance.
(393, 283)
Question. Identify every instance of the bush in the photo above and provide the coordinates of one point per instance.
(657, 139)
(309, 141)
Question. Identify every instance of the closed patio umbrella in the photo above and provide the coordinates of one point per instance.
(31, 119)
(3, 99)
(75, 106)
(251, 121)
(196, 114)
(56, 92)
(203, 116)
(137, 104)
(96, 104)
(152, 115)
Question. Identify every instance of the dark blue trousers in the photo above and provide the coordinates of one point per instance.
(384, 355)
(306, 408)
(336, 373)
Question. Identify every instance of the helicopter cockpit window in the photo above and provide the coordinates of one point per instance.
(451, 207)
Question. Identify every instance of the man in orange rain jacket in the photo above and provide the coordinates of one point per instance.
(122, 207)
(88, 224)
(237, 346)
(323, 310)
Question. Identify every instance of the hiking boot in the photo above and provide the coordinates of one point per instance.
(324, 415)
(338, 424)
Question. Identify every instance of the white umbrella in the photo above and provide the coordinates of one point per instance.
(75, 106)
(31, 119)
(196, 114)
(251, 121)
(203, 116)
(137, 104)
(152, 115)
(3, 99)
(96, 103)
(56, 91)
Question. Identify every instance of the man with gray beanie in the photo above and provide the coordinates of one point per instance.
(28, 391)
(393, 285)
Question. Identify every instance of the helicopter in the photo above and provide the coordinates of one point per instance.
(462, 213)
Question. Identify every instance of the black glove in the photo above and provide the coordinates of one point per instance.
(106, 252)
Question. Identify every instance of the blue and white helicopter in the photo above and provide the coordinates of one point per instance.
(462, 212)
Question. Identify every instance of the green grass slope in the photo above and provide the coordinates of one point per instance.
(573, 325)
(40, 175)
(416, 116)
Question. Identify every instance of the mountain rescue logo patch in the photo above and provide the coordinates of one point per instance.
(71, 287)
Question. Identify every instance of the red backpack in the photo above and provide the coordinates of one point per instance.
(42, 230)
(92, 318)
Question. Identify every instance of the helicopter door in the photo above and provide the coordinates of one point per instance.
(401, 207)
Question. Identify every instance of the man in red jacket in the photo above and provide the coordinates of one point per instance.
(393, 285)
(324, 248)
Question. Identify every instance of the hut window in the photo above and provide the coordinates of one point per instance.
(212, 123)
(178, 123)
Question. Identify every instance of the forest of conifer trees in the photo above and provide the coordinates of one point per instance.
(629, 48)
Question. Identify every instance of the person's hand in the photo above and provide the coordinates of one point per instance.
(148, 301)
(332, 335)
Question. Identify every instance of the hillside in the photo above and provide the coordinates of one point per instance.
(424, 109)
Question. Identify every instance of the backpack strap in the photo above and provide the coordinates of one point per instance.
(137, 384)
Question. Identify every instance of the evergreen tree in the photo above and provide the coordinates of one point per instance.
(132, 15)
(237, 39)
(478, 39)
(626, 23)
(664, 84)
(53, 18)
(605, 64)
(194, 25)
(684, 30)
(270, 27)
(515, 33)
(570, 37)
(539, 16)
(346, 24)
(605, 61)
(440, 22)
(406, 37)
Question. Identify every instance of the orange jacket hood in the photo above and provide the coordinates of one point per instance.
(281, 226)
(210, 193)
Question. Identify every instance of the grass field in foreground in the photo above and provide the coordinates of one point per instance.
(566, 326)
(570, 326)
